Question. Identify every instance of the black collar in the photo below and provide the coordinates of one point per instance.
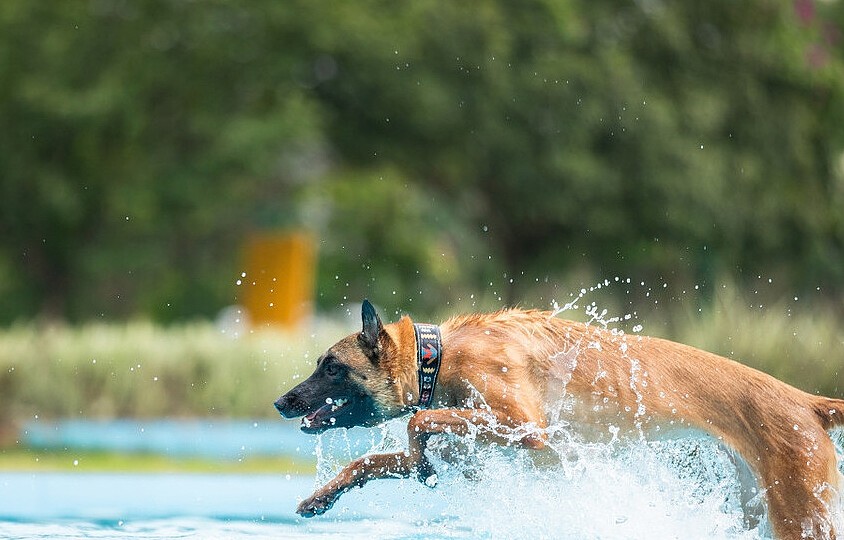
(429, 350)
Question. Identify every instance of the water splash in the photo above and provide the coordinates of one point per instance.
(592, 310)
(689, 487)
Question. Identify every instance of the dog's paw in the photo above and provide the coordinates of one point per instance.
(315, 505)
(425, 473)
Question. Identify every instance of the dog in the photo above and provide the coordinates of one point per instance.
(521, 362)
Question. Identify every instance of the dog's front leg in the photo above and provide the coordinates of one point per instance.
(356, 473)
(421, 426)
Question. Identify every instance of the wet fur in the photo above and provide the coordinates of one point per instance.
(501, 372)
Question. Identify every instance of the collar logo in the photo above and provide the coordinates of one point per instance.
(430, 354)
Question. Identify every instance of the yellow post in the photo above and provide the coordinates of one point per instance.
(279, 283)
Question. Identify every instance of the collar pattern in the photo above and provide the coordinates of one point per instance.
(428, 357)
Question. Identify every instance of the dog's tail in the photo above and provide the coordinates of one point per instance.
(830, 411)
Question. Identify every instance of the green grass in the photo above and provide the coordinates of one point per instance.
(142, 370)
(800, 343)
(27, 460)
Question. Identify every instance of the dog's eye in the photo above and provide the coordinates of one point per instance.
(331, 369)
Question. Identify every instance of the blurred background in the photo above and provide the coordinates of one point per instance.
(195, 196)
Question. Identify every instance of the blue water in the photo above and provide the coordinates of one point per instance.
(158, 506)
(209, 438)
(683, 488)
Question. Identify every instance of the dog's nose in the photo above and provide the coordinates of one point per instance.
(290, 406)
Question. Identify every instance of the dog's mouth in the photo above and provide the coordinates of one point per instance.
(326, 416)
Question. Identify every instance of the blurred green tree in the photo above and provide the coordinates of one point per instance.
(432, 146)
(143, 141)
(651, 139)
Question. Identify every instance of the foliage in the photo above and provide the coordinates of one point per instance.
(798, 341)
(143, 144)
(144, 370)
(434, 148)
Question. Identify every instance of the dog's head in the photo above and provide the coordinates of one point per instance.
(352, 384)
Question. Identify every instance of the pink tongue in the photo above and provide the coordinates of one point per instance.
(311, 417)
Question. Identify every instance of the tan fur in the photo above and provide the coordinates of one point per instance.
(506, 369)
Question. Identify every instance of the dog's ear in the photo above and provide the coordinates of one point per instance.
(372, 327)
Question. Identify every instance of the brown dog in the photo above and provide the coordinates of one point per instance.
(522, 362)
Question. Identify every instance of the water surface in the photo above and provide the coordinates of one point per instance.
(680, 488)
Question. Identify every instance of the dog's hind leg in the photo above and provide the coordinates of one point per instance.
(421, 426)
(801, 490)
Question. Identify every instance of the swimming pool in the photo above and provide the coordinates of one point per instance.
(158, 506)
(683, 488)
